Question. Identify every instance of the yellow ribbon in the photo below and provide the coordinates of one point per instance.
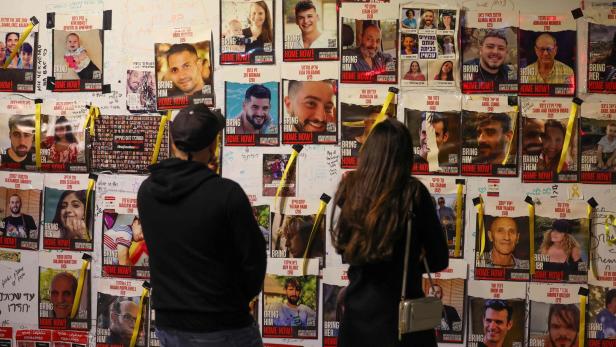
(37, 134)
(581, 337)
(24, 35)
(283, 179)
(89, 190)
(382, 115)
(82, 278)
(513, 137)
(159, 137)
(315, 227)
(93, 113)
(482, 228)
(565, 150)
(133, 340)
(531, 233)
(610, 221)
(217, 153)
(459, 202)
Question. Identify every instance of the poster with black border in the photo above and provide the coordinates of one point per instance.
(554, 314)
(561, 241)
(598, 142)
(66, 216)
(490, 52)
(63, 136)
(78, 59)
(489, 136)
(601, 68)
(433, 118)
(335, 282)
(310, 30)
(247, 32)
(359, 108)
(141, 87)
(369, 34)
(544, 128)
(273, 168)
(20, 199)
(252, 106)
(20, 75)
(546, 54)
(184, 69)
(291, 300)
(59, 275)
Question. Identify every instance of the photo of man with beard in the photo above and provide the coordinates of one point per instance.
(563, 324)
(255, 117)
(292, 313)
(491, 64)
(494, 135)
(369, 56)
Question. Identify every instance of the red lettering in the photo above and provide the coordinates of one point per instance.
(349, 162)
(8, 242)
(6, 86)
(347, 76)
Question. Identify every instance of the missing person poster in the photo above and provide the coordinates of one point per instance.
(184, 69)
(141, 87)
(561, 241)
(554, 315)
(59, 277)
(252, 107)
(17, 138)
(369, 43)
(335, 281)
(450, 287)
(291, 232)
(263, 216)
(444, 192)
(501, 304)
(117, 308)
(359, 108)
(433, 119)
(33, 338)
(546, 53)
(66, 216)
(600, 322)
(598, 142)
(544, 128)
(77, 53)
(247, 32)
(489, 136)
(310, 99)
(290, 300)
(20, 215)
(602, 50)
(505, 233)
(429, 46)
(125, 144)
(124, 251)
(20, 74)
(63, 137)
(273, 167)
(19, 304)
(310, 30)
(490, 52)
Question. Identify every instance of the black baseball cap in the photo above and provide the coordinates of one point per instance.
(195, 127)
(562, 225)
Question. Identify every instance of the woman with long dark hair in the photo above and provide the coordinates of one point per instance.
(260, 31)
(64, 148)
(375, 202)
(71, 213)
(445, 73)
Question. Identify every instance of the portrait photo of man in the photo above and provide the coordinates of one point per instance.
(369, 55)
(428, 19)
(18, 224)
(497, 322)
(450, 314)
(312, 104)
(494, 136)
(309, 23)
(255, 117)
(293, 313)
(607, 316)
(547, 69)
(21, 135)
(440, 124)
(533, 131)
(62, 292)
(122, 317)
(185, 70)
(504, 236)
(491, 65)
(563, 325)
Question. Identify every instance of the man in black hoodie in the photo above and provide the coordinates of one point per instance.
(207, 254)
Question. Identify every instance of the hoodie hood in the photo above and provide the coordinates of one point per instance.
(174, 178)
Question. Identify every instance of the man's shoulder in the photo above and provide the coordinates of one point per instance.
(563, 66)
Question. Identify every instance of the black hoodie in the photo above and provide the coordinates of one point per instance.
(207, 254)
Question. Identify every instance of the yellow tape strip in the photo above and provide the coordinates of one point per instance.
(531, 233)
(459, 202)
(482, 228)
(382, 115)
(217, 153)
(93, 113)
(283, 179)
(582, 328)
(82, 278)
(37, 135)
(133, 340)
(159, 137)
(513, 137)
(24, 35)
(609, 222)
(565, 150)
(315, 227)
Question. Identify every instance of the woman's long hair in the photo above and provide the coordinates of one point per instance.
(375, 199)
(266, 31)
(569, 243)
(68, 130)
